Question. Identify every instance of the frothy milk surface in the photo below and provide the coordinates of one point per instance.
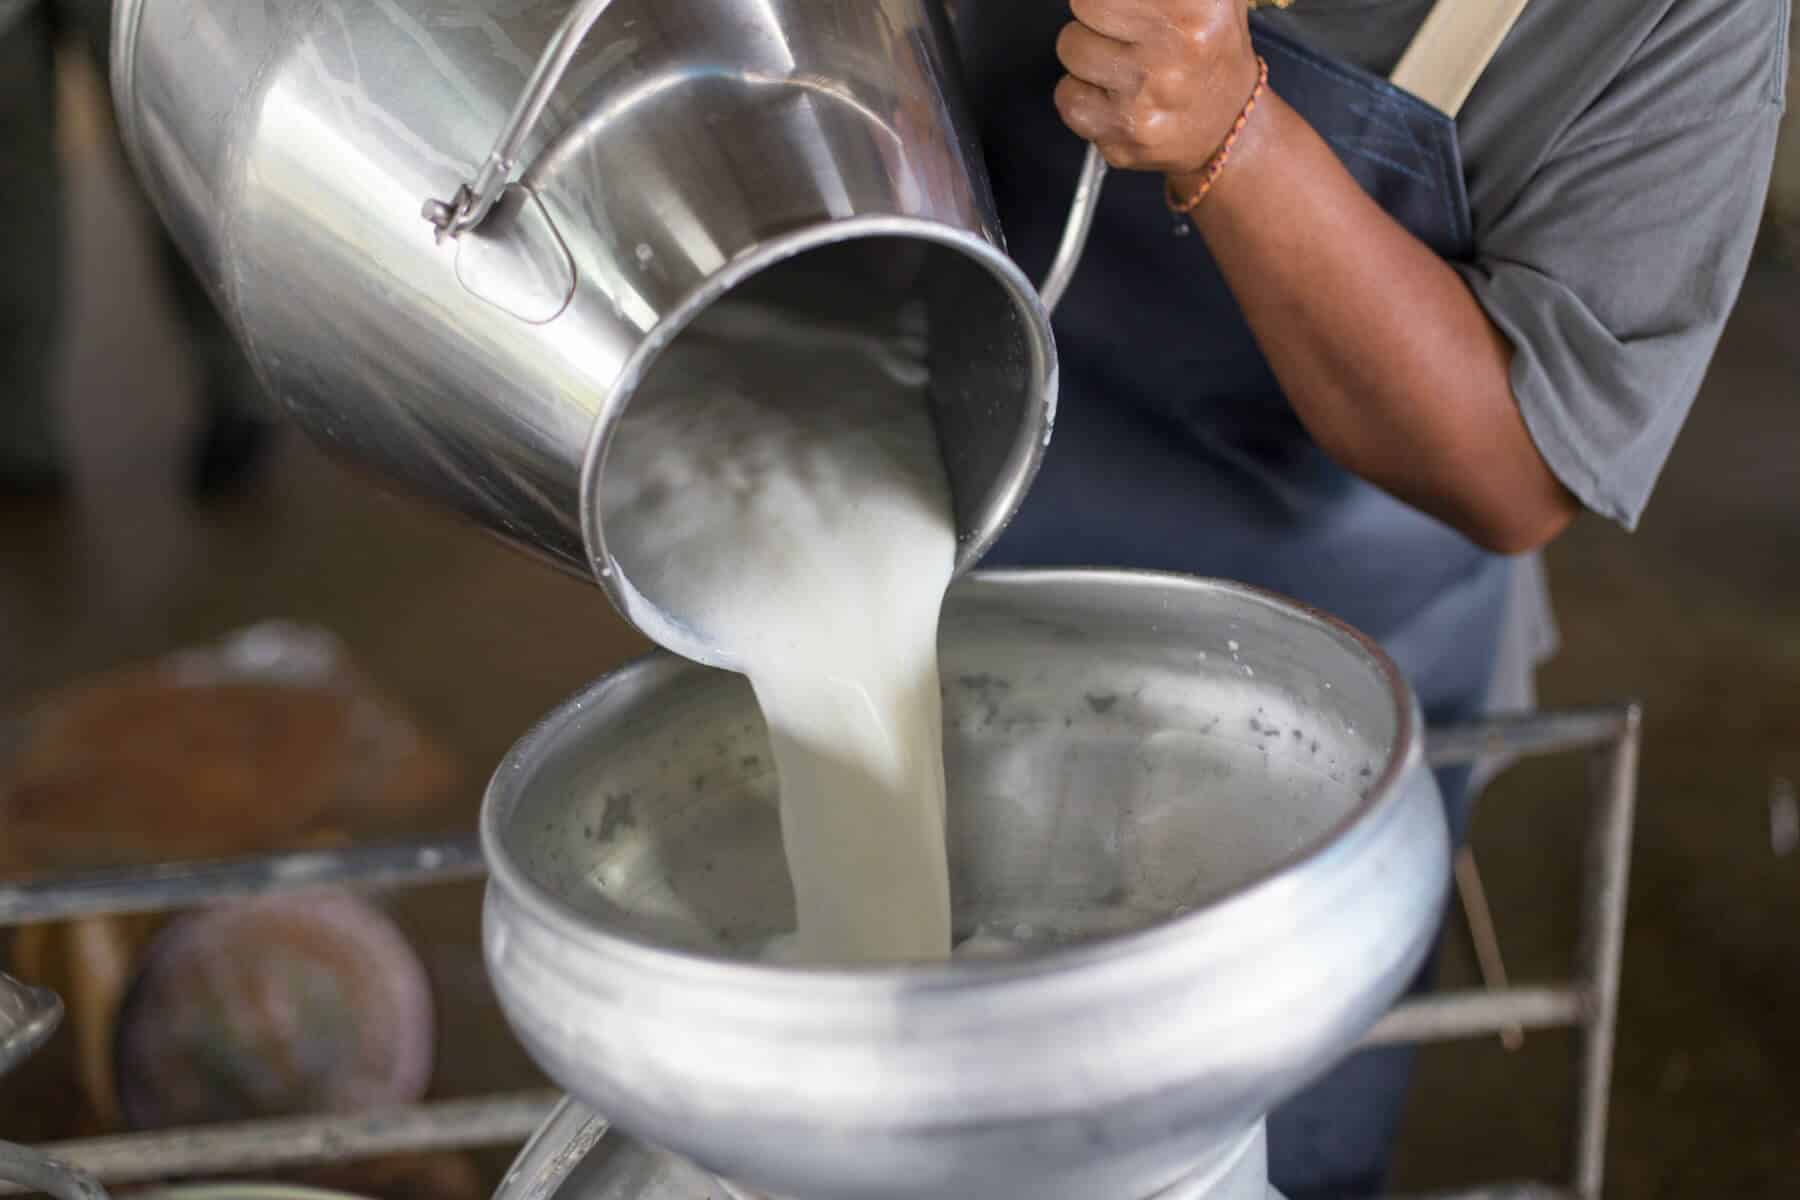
(787, 501)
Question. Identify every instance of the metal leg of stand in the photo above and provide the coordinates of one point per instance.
(1616, 735)
(1603, 946)
(1472, 891)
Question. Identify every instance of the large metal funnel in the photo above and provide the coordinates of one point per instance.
(1194, 818)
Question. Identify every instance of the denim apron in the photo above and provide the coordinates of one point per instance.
(1175, 448)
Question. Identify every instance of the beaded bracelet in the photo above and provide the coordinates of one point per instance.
(1215, 166)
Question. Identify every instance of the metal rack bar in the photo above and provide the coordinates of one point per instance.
(253, 1147)
(1453, 1016)
(1590, 1003)
(167, 886)
(36, 1173)
(1530, 735)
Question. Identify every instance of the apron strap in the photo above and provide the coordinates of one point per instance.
(1453, 48)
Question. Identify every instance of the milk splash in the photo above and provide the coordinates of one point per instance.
(790, 505)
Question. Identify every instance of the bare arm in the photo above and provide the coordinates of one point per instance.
(1385, 354)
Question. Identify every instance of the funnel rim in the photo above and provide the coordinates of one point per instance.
(1364, 820)
(1022, 467)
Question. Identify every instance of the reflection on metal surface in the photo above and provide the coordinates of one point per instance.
(518, 261)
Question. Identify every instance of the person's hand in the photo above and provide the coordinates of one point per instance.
(1156, 84)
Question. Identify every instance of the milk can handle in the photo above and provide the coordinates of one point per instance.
(1075, 233)
(475, 199)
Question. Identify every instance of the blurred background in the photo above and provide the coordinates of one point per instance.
(457, 646)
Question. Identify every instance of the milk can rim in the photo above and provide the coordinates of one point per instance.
(631, 603)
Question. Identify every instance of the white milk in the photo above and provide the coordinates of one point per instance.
(791, 508)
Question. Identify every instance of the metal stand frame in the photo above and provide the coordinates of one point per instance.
(1589, 1001)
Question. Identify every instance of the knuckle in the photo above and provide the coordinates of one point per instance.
(1167, 82)
(1075, 112)
(1145, 119)
(1207, 34)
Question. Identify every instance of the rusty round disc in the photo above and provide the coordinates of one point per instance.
(274, 1007)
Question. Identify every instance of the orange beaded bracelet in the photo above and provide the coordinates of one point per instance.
(1215, 166)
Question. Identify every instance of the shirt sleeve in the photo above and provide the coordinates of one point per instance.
(1614, 270)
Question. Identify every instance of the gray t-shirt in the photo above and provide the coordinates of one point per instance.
(1618, 155)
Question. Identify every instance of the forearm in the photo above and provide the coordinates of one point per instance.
(1383, 351)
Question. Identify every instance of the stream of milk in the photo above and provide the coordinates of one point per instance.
(790, 505)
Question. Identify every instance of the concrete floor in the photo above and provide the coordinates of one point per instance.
(1698, 615)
